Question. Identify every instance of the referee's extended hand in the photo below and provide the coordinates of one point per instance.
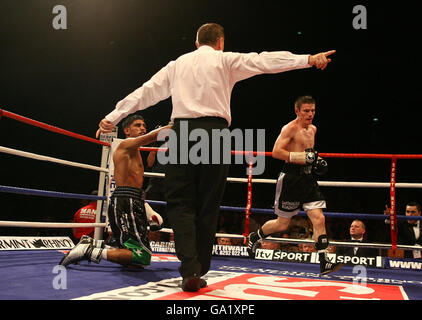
(321, 60)
(104, 126)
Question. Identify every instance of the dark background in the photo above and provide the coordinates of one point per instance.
(368, 99)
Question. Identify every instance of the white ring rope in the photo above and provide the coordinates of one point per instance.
(50, 159)
(321, 183)
(346, 244)
(25, 224)
(368, 184)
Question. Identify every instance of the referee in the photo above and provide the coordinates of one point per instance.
(200, 85)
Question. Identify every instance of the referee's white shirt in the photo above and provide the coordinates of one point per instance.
(200, 82)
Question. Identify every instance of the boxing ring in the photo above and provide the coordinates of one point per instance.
(271, 275)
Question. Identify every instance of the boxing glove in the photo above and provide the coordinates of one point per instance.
(320, 167)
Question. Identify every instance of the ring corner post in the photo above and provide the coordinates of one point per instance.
(249, 197)
(103, 187)
(393, 215)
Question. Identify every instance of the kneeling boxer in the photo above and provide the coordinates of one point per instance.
(297, 186)
(127, 214)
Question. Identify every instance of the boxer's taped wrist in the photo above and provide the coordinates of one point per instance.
(297, 157)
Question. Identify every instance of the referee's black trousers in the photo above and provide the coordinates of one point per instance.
(194, 193)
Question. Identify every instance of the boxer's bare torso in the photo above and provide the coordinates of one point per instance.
(128, 165)
(298, 135)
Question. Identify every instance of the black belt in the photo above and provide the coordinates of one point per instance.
(129, 192)
(218, 120)
(297, 169)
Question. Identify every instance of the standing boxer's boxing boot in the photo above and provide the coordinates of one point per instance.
(326, 266)
(253, 241)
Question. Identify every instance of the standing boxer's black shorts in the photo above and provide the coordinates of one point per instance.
(297, 188)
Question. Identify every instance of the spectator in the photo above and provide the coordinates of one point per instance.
(307, 247)
(409, 232)
(224, 241)
(357, 233)
(265, 244)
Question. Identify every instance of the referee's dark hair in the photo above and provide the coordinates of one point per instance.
(209, 33)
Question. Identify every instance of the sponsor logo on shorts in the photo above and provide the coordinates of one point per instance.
(288, 205)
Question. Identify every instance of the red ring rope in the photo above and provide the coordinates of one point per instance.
(370, 155)
(49, 127)
(234, 152)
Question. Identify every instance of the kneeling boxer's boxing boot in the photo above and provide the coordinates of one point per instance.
(85, 239)
(81, 252)
(88, 240)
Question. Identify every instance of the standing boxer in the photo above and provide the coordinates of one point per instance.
(297, 186)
